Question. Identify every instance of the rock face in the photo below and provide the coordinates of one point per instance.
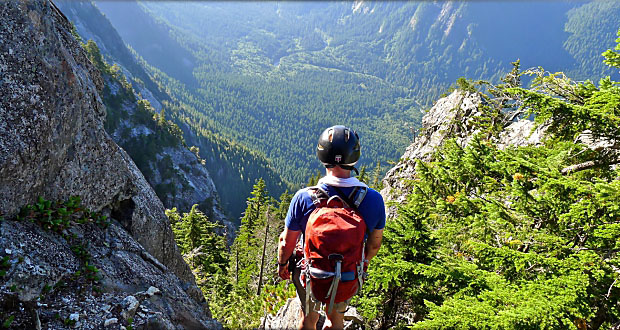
(52, 144)
(42, 285)
(176, 174)
(288, 317)
(450, 117)
(191, 183)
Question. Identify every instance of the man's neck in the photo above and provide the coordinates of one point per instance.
(338, 172)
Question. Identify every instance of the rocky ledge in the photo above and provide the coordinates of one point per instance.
(288, 317)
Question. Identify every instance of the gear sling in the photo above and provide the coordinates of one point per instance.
(334, 244)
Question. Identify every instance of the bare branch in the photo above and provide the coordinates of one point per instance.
(610, 287)
(587, 165)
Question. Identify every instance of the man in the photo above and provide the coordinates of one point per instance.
(338, 150)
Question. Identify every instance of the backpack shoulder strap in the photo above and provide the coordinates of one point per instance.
(361, 193)
(317, 194)
(351, 200)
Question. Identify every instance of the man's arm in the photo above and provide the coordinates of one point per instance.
(288, 241)
(373, 243)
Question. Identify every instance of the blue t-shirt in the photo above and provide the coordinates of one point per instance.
(372, 208)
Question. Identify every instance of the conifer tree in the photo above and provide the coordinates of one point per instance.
(522, 237)
(376, 183)
(252, 285)
(204, 250)
(362, 177)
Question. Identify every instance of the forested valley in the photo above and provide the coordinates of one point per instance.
(254, 84)
(272, 76)
(486, 236)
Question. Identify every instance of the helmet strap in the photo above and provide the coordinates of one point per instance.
(350, 168)
(346, 167)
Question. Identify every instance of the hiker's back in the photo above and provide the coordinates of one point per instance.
(334, 245)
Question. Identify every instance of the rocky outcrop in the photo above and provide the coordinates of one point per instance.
(52, 144)
(450, 117)
(288, 317)
(193, 184)
(43, 286)
(179, 178)
(189, 182)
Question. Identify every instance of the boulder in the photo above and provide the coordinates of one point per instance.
(450, 117)
(288, 317)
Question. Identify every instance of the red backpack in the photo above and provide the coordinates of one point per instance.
(334, 247)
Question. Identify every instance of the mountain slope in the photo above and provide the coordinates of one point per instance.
(63, 258)
(236, 168)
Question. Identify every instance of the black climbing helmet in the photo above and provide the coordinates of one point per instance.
(339, 146)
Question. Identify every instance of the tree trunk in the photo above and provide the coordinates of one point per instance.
(237, 264)
(262, 260)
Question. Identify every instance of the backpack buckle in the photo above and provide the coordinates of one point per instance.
(335, 256)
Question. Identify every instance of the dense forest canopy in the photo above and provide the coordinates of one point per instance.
(518, 236)
(271, 76)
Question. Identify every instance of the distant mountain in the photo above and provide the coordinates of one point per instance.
(271, 76)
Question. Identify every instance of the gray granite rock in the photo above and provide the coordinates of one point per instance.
(450, 117)
(288, 317)
(52, 144)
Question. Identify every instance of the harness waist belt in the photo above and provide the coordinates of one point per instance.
(322, 274)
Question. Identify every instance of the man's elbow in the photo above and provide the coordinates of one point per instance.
(374, 246)
(288, 240)
(282, 241)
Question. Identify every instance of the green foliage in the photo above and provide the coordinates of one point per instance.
(246, 246)
(203, 249)
(591, 29)
(465, 85)
(230, 280)
(522, 237)
(7, 323)
(314, 179)
(94, 55)
(377, 176)
(5, 265)
(57, 216)
(262, 70)
(265, 69)
(612, 58)
(74, 33)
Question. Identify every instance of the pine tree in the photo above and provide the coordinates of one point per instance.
(204, 250)
(253, 287)
(522, 237)
(377, 183)
(362, 177)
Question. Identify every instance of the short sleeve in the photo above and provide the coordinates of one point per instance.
(295, 212)
(373, 210)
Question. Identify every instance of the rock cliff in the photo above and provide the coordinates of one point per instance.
(189, 183)
(450, 117)
(177, 175)
(53, 145)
